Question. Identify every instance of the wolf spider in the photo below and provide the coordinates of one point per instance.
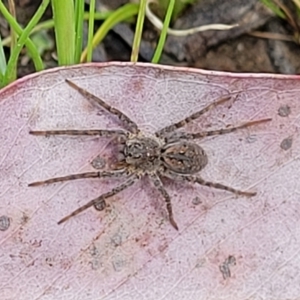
(165, 154)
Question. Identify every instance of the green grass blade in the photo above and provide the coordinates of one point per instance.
(79, 17)
(50, 24)
(13, 60)
(138, 31)
(164, 32)
(91, 31)
(2, 63)
(123, 13)
(13, 34)
(33, 51)
(270, 4)
(63, 13)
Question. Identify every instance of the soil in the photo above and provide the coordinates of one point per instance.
(235, 50)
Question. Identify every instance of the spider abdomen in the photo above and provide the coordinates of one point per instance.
(184, 157)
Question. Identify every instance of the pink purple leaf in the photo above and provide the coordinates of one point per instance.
(227, 246)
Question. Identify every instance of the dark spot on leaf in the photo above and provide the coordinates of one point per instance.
(94, 251)
(95, 263)
(225, 266)
(251, 139)
(196, 200)
(284, 111)
(50, 261)
(4, 223)
(116, 239)
(100, 205)
(98, 162)
(286, 143)
(118, 263)
(24, 219)
(36, 243)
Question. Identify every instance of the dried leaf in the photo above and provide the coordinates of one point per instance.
(227, 246)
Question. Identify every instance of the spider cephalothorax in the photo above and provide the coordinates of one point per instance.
(143, 153)
(166, 154)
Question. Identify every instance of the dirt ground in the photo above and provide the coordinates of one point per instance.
(236, 50)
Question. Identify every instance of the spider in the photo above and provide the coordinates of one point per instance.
(166, 153)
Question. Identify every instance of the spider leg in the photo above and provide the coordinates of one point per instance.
(99, 202)
(99, 132)
(221, 131)
(190, 118)
(103, 174)
(159, 185)
(122, 117)
(216, 185)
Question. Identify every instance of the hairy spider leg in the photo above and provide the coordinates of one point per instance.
(101, 199)
(98, 132)
(190, 118)
(103, 174)
(131, 125)
(221, 131)
(199, 180)
(159, 185)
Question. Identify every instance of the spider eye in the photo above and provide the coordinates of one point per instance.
(134, 155)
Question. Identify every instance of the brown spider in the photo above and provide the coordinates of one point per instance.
(167, 153)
